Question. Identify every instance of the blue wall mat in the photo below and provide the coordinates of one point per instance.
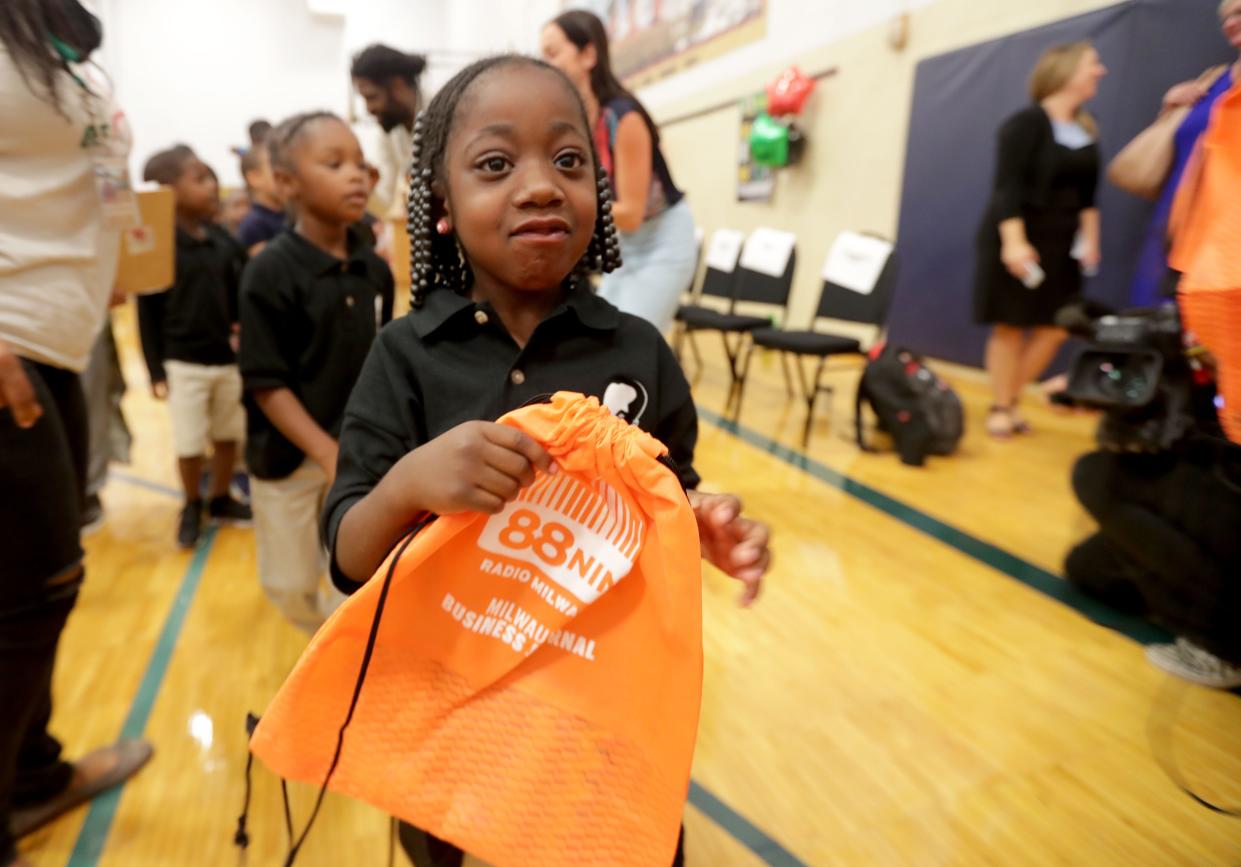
(959, 101)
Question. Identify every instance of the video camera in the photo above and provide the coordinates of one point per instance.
(1136, 371)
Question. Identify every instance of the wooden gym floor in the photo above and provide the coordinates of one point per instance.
(915, 687)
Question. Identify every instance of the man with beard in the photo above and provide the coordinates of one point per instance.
(388, 80)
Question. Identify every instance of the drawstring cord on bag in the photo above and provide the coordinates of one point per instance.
(357, 689)
(242, 837)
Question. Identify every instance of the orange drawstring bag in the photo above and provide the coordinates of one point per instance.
(1206, 222)
(524, 685)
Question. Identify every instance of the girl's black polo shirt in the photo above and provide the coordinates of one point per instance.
(452, 361)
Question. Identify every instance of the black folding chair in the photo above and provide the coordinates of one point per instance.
(734, 328)
(716, 283)
(835, 302)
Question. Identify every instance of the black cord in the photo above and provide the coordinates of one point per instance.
(242, 837)
(1159, 733)
(288, 811)
(357, 689)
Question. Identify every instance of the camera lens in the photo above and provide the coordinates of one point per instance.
(1124, 382)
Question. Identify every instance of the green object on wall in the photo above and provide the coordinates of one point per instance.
(769, 141)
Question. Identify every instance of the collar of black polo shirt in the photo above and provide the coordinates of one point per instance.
(442, 307)
(188, 241)
(318, 261)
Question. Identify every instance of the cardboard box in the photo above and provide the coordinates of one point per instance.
(148, 250)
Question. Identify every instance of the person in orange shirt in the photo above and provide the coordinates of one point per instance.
(1206, 233)
(1206, 229)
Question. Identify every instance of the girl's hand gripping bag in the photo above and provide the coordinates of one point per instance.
(532, 686)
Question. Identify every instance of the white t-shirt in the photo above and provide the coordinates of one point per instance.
(1071, 134)
(393, 187)
(57, 261)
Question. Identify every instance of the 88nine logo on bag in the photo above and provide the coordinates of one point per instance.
(585, 538)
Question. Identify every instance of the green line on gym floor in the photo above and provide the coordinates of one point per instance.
(741, 829)
(139, 482)
(94, 833)
(997, 558)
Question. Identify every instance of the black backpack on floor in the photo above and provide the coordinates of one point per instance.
(921, 411)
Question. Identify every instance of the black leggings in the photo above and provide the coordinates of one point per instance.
(42, 483)
(1169, 541)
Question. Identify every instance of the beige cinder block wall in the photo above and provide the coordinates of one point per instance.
(851, 175)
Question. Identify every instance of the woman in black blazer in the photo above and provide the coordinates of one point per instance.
(1041, 228)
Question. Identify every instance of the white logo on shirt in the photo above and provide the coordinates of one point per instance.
(626, 399)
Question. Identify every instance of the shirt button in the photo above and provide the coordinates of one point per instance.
(517, 377)
(480, 317)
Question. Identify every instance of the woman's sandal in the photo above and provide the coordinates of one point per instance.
(1000, 422)
(1020, 425)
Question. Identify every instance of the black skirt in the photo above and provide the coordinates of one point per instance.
(1002, 299)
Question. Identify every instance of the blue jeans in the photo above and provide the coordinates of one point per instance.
(660, 258)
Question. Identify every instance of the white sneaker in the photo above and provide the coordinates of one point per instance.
(1190, 662)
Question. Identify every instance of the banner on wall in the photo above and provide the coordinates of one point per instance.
(755, 183)
(654, 39)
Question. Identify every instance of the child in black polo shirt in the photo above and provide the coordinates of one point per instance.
(311, 304)
(188, 340)
(505, 173)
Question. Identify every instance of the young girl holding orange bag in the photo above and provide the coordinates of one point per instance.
(508, 213)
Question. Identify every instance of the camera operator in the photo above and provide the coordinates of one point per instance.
(1165, 490)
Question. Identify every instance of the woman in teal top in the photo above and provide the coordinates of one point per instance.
(656, 225)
